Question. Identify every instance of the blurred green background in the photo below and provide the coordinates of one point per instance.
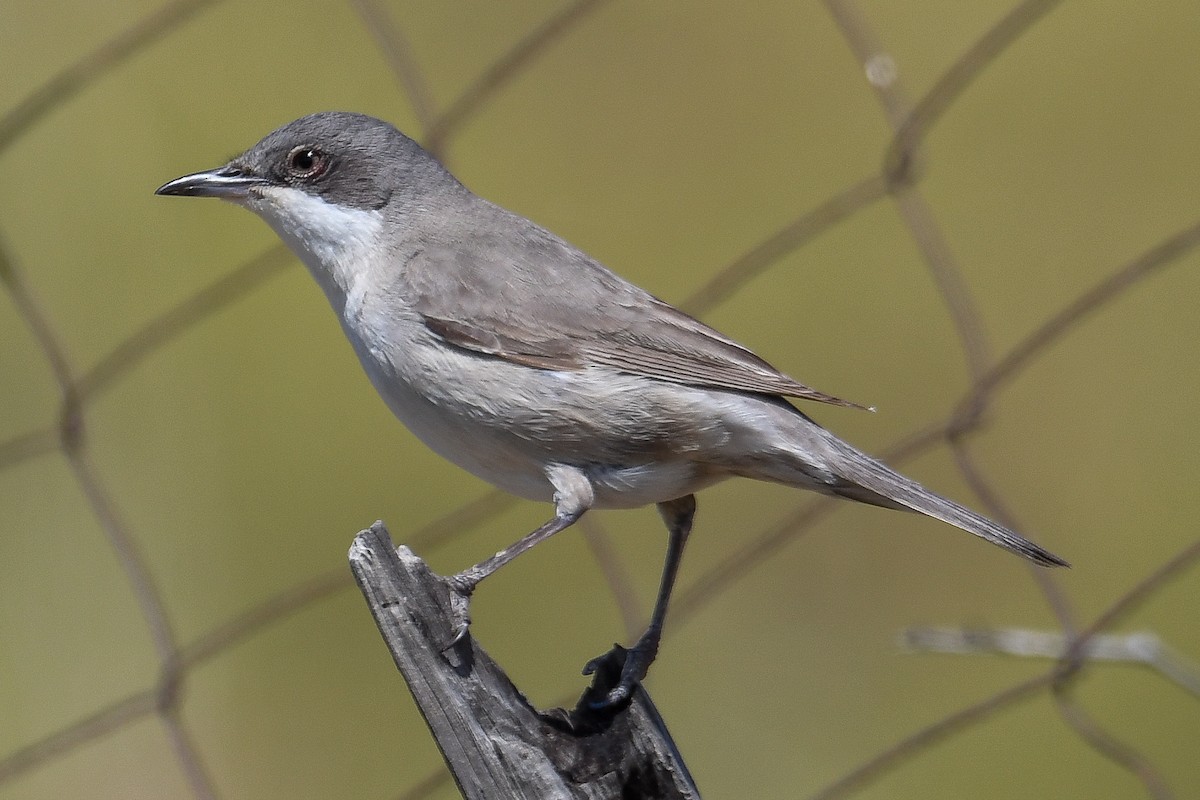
(242, 455)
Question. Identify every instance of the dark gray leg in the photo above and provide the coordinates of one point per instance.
(678, 515)
(572, 496)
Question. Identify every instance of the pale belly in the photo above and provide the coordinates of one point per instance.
(507, 423)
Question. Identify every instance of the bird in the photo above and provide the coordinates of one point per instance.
(525, 361)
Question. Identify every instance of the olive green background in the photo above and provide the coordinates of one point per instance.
(666, 139)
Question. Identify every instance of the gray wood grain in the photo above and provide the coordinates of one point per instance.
(495, 743)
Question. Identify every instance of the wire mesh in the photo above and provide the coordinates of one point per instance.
(991, 368)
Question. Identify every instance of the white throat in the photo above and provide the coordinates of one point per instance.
(338, 244)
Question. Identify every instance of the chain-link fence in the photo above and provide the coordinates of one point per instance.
(46, 439)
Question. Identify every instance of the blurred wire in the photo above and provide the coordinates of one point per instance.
(897, 178)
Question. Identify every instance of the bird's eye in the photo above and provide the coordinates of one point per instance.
(306, 162)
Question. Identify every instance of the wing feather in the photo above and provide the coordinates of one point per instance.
(526, 296)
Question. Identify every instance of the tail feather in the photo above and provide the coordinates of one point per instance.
(872, 482)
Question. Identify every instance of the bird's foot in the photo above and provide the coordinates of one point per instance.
(637, 663)
(461, 588)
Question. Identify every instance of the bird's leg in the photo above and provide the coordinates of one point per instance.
(678, 515)
(463, 584)
(573, 495)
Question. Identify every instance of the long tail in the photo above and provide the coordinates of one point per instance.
(870, 481)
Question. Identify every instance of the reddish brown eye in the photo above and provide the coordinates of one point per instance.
(306, 162)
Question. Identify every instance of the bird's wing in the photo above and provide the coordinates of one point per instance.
(524, 295)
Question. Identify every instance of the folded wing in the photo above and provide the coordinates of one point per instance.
(560, 309)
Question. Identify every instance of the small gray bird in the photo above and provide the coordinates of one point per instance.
(529, 364)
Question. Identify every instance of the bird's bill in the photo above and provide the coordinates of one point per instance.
(225, 182)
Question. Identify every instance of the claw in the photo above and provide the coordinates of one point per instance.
(599, 662)
(637, 664)
(616, 696)
(460, 603)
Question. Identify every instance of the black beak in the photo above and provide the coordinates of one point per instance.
(228, 182)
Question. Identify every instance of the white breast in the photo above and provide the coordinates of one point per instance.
(338, 244)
